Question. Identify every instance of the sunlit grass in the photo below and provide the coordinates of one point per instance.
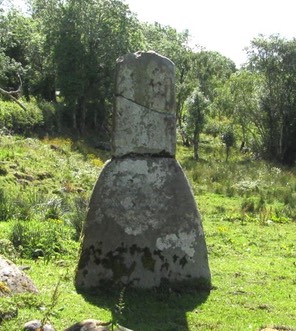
(248, 209)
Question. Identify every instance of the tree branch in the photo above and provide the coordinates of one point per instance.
(11, 93)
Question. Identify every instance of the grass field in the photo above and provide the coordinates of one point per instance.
(248, 209)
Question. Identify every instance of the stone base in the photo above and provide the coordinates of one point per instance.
(143, 228)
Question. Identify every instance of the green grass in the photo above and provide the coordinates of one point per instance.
(248, 209)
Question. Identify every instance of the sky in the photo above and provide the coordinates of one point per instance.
(225, 26)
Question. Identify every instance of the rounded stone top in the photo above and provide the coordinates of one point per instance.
(148, 79)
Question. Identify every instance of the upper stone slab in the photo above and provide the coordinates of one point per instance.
(144, 115)
(147, 79)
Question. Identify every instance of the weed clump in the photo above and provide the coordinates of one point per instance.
(47, 239)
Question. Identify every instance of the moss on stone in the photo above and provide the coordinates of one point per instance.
(84, 258)
(183, 261)
(147, 259)
(115, 262)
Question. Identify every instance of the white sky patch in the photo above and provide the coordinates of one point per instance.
(225, 26)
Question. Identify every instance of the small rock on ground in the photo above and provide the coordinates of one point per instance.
(36, 325)
(89, 325)
(14, 279)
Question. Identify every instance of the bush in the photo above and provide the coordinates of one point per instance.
(7, 249)
(51, 116)
(13, 117)
(47, 239)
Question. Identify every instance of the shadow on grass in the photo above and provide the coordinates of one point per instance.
(150, 310)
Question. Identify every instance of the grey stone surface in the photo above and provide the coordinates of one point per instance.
(143, 227)
(14, 279)
(144, 118)
(139, 130)
(147, 79)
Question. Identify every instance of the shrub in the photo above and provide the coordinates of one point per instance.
(51, 116)
(13, 117)
(253, 205)
(213, 129)
(7, 249)
(248, 205)
(48, 239)
(228, 138)
(78, 215)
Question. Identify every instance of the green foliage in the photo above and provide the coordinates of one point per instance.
(64, 46)
(241, 187)
(117, 315)
(14, 40)
(83, 49)
(13, 117)
(53, 303)
(247, 216)
(33, 189)
(52, 116)
(195, 118)
(6, 206)
(46, 239)
(38, 117)
(8, 310)
(274, 58)
(7, 249)
(212, 70)
(212, 128)
(228, 139)
(78, 215)
(238, 100)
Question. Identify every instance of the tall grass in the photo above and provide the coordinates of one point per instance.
(44, 186)
(248, 209)
(256, 185)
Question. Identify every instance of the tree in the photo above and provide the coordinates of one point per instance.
(238, 100)
(275, 59)
(14, 42)
(46, 15)
(92, 35)
(70, 46)
(196, 107)
(212, 70)
(25, 43)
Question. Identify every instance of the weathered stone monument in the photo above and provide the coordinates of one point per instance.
(143, 227)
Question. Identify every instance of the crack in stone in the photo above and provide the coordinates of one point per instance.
(138, 104)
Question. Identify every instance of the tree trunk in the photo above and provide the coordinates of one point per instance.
(195, 146)
(82, 111)
(74, 118)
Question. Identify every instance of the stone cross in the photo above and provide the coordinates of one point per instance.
(143, 227)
